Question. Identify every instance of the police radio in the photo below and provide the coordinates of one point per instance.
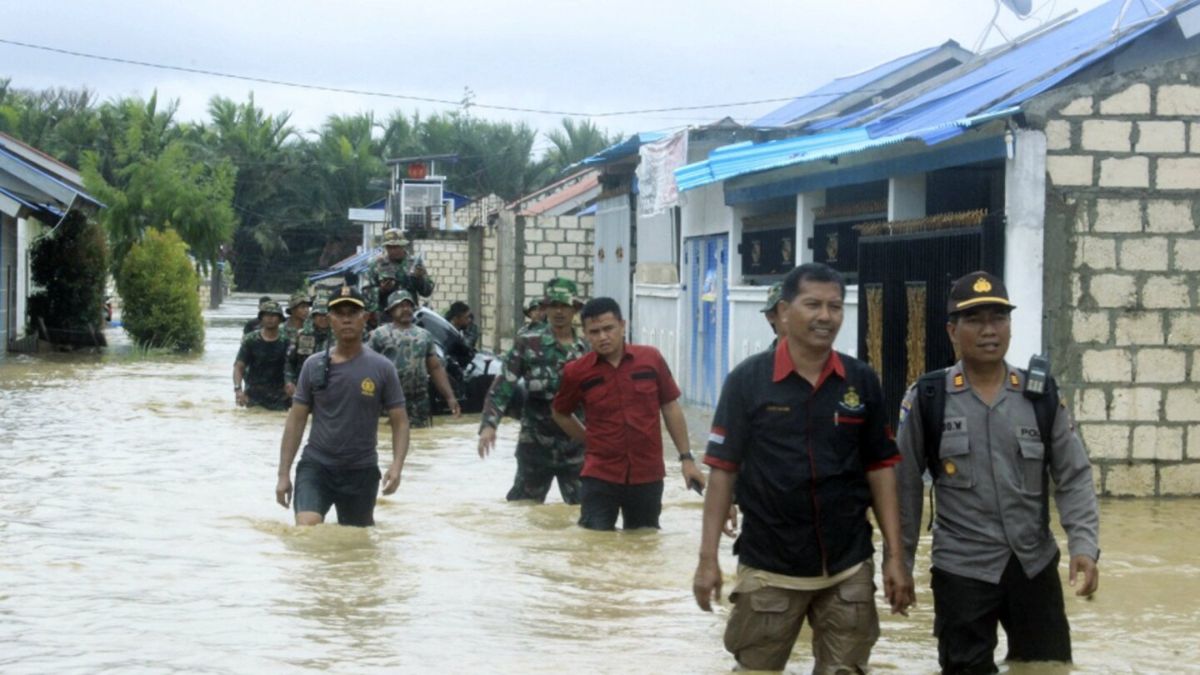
(1036, 376)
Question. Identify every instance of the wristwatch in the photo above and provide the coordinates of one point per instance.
(686, 457)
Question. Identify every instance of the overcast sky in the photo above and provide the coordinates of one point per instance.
(582, 56)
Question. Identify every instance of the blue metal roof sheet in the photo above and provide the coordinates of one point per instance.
(994, 85)
(836, 89)
(356, 263)
(625, 148)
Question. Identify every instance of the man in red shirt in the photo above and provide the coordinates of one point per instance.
(622, 388)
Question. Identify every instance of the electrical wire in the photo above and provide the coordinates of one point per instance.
(408, 97)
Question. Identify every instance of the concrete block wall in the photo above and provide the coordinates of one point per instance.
(446, 260)
(558, 246)
(1123, 170)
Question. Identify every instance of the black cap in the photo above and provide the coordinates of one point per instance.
(977, 289)
(346, 294)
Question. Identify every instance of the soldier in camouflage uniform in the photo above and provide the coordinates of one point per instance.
(544, 451)
(311, 339)
(535, 312)
(260, 363)
(389, 272)
(298, 309)
(412, 350)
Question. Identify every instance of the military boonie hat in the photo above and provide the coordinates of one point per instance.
(320, 306)
(774, 295)
(296, 300)
(562, 291)
(977, 289)
(269, 307)
(346, 294)
(398, 297)
(533, 304)
(394, 237)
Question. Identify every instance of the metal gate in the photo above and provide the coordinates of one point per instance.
(707, 262)
(904, 280)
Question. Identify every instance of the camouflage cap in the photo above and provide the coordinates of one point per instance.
(394, 237)
(269, 307)
(298, 298)
(563, 292)
(320, 306)
(533, 304)
(398, 297)
(774, 295)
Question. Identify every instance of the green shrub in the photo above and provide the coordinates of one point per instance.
(71, 265)
(159, 302)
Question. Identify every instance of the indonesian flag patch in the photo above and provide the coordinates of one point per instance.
(717, 435)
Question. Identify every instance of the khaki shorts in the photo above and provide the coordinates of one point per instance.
(764, 624)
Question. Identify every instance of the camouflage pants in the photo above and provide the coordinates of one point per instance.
(420, 415)
(546, 453)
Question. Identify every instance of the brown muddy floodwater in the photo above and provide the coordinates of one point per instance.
(139, 533)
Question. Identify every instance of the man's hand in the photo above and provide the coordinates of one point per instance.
(455, 409)
(391, 479)
(487, 441)
(731, 522)
(387, 284)
(419, 270)
(1091, 575)
(898, 585)
(289, 389)
(283, 491)
(242, 399)
(706, 585)
(691, 472)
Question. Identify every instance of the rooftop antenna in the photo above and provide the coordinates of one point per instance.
(1125, 8)
(1022, 8)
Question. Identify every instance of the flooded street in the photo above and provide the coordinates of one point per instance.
(139, 533)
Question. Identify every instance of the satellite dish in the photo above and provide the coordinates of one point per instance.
(1019, 7)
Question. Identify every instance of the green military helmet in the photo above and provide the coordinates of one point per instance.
(774, 295)
(269, 307)
(394, 237)
(533, 304)
(298, 298)
(398, 297)
(563, 292)
(320, 306)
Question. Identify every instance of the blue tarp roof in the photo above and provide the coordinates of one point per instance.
(625, 148)
(837, 89)
(995, 84)
(356, 263)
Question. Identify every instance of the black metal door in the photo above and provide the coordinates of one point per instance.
(904, 280)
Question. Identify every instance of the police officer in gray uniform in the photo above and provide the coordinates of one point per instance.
(995, 560)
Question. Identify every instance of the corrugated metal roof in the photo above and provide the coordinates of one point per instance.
(837, 89)
(744, 158)
(991, 86)
(356, 263)
(625, 148)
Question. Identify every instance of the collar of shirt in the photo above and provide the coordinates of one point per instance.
(785, 367)
(591, 359)
(956, 379)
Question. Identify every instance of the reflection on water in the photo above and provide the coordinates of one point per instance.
(138, 531)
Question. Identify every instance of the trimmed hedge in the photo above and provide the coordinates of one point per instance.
(159, 302)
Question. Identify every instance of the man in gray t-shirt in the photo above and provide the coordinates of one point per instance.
(344, 388)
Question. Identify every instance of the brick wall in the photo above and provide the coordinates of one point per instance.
(558, 246)
(1123, 174)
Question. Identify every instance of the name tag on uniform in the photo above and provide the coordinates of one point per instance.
(954, 425)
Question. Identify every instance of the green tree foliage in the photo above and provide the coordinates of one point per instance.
(149, 175)
(248, 187)
(70, 306)
(158, 287)
(574, 142)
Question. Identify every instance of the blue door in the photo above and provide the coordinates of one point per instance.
(708, 304)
